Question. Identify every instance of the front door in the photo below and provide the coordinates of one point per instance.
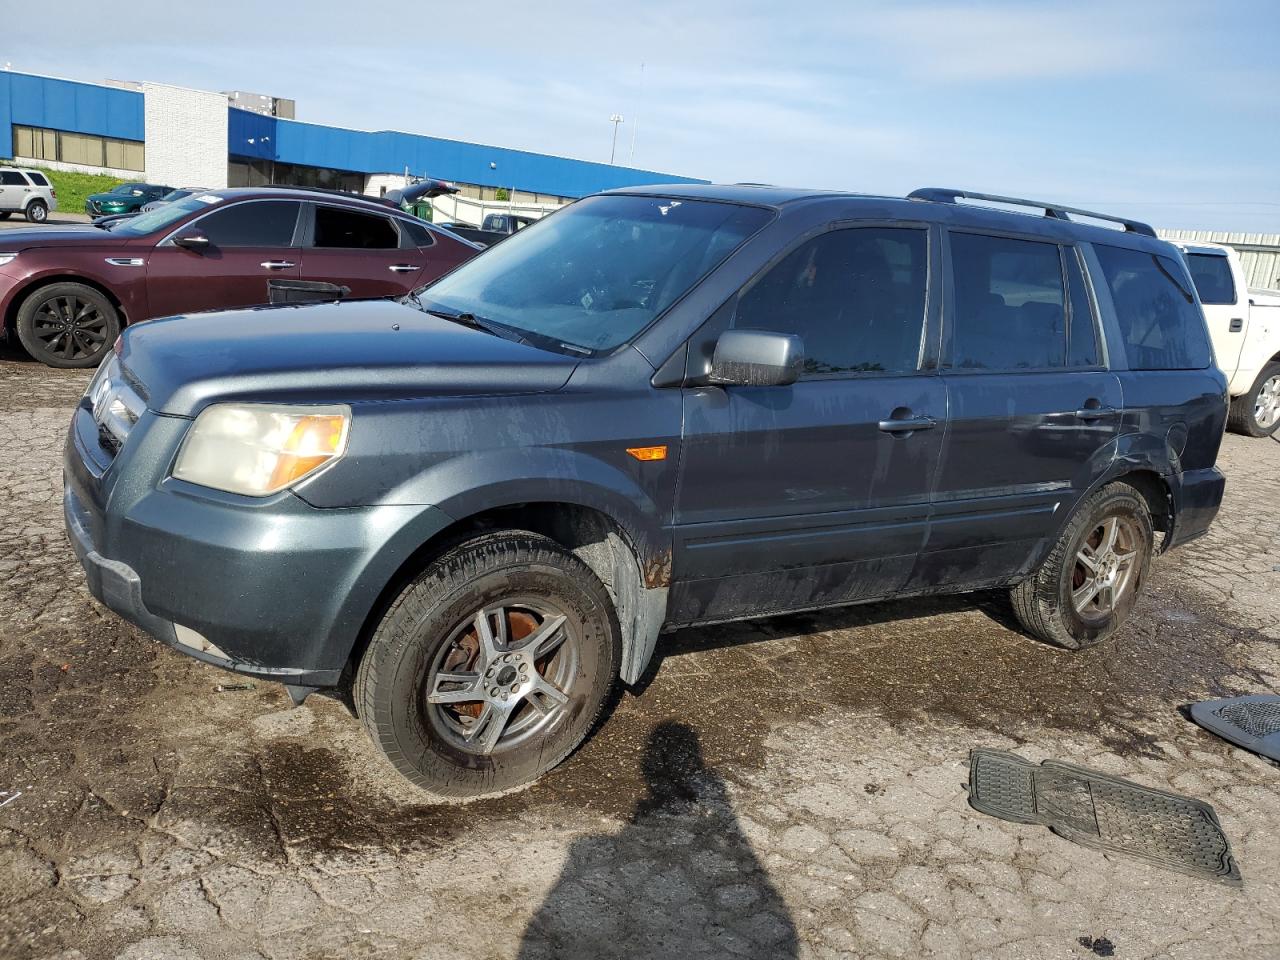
(13, 190)
(817, 493)
(360, 250)
(1034, 412)
(250, 243)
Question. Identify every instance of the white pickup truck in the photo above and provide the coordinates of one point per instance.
(1245, 327)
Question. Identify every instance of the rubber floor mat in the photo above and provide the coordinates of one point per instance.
(1249, 722)
(1103, 812)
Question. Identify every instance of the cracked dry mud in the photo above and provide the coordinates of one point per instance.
(787, 788)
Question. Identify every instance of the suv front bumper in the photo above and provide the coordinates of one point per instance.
(275, 588)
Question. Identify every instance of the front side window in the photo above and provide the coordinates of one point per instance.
(257, 223)
(597, 273)
(1159, 321)
(1212, 276)
(1009, 311)
(11, 178)
(353, 230)
(855, 297)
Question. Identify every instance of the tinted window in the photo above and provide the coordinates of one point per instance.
(416, 235)
(1212, 276)
(336, 227)
(37, 178)
(1082, 340)
(10, 178)
(1008, 312)
(258, 223)
(1162, 327)
(855, 297)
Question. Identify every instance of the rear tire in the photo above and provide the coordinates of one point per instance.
(1257, 413)
(37, 212)
(435, 693)
(67, 325)
(1055, 604)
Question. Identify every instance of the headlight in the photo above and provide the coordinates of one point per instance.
(255, 449)
(7, 258)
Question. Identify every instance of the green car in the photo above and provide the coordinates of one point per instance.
(126, 198)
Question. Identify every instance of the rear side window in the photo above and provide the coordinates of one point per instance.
(351, 229)
(855, 297)
(37, 178)
(11, 178)
(416, 235)
(1160, 323)
(1009, 311)
(257, 223)
(1212, 277)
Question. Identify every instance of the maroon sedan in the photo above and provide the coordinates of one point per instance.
(65, 294)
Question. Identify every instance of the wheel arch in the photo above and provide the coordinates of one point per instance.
(607, 545)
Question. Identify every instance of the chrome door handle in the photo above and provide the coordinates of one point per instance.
(908, 424)
(1094, 413)
(277, 264)
(402, 267)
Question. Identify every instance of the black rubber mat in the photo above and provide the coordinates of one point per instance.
(1249, 722)
(1103, 812)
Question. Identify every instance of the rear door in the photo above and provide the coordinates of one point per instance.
(250, 242)
(815, 493)
(1225, 307)
(1034, 411)
(13, 190)
(363, 250)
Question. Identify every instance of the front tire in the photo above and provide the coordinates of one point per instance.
(4, 214)
(491, 667)
(67, 325)
(1088, 584)
(37, 212)
(1257, 413)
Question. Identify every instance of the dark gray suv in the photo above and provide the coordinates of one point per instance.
(655, 408)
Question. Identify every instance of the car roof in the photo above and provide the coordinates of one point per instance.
(930, 204)
(303, 193)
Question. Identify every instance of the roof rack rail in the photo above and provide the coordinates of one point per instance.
(1054, 210)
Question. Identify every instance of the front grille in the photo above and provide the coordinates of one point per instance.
(116, 407)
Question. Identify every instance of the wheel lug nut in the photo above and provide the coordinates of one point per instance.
(504, 696)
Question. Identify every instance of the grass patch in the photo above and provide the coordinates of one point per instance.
(72, 188)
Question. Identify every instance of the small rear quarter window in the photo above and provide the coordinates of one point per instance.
(37, 178)
(1160, 323)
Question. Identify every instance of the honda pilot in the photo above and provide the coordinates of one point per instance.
(660, 407)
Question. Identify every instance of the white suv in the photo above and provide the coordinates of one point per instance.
(27, 192)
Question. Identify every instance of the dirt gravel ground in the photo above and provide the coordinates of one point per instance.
(786, 788)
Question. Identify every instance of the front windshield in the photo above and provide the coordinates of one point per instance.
(159, 218)
(597, 273)
(126, 189)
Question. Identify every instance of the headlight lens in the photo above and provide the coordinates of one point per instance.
(256, 449)
(7, 258)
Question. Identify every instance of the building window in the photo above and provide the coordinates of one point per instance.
(36, 143)
(244, 172)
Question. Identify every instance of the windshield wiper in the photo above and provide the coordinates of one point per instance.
(507, 333)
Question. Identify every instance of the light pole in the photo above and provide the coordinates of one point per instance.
(615, 119)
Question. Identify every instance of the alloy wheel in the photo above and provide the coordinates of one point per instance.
(1266, 406)
(505, 675)
(1105, 568)
(70, 328)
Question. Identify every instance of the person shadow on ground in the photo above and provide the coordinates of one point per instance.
(680, 880)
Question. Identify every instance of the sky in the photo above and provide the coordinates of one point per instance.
(1164, 111)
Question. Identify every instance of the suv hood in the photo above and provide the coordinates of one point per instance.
(327, 353)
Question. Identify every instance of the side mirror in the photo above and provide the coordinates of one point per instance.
(192, 241)
(756, 358)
